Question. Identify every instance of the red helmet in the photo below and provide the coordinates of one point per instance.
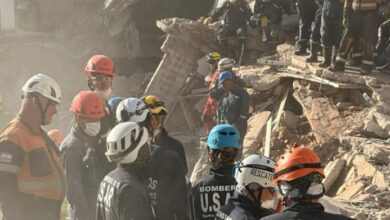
(87, 104)
(100, 64)
(297, 162)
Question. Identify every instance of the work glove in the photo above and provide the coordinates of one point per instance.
(201, 20)
(347, 17)
(208, 21)
(207, 118)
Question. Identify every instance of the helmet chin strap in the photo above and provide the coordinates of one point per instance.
(257, 199)
(42, 110)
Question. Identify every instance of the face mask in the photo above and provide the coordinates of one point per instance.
(103, 94)
(92, 128)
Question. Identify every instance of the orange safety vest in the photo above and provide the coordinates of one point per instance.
(48, 186)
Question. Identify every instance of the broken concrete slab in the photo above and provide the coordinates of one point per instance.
(372, 129)
(253, 139)
(332, 172)
(258, 79)
(333, 206)
(324, 118)
(351, 190)
(383, 121)
(378, 152)
(366, 169)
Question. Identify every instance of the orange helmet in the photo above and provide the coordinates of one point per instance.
(56, 135)
(100, 64)
(297, 162)
(87, 104)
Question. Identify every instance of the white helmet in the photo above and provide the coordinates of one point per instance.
(124, 142)
(132, 109)
(225, 63)
(45, 86)
(255, 169)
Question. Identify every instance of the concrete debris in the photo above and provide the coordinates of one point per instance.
(343, 116)
(253, 139)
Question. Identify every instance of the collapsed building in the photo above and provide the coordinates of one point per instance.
(344, 117)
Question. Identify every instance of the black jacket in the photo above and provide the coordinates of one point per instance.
(241, 207)
(383, 37)
(167, 185)
(305, 211)
(123, 195)
(234, 107)
(174, 145)
(83, 173)
(235, 16)
(213, 192)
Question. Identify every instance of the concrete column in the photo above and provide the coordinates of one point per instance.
(7, 14)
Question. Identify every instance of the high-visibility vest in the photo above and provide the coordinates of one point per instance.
(50, 184)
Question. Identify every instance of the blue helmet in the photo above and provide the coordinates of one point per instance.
(114, 101)
(223, 136)
(224, 76)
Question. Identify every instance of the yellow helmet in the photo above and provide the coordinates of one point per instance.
(154, 104)
(213, 57)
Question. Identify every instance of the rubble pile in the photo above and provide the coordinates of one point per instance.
(344, 117)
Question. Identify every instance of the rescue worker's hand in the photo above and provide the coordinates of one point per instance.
(208, 21)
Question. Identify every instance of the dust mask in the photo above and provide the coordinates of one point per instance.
(103, 94)
(92, 128)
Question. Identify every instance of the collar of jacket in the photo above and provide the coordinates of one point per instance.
(304, 206)
(222, 171)
(249, 205)
(88, 141)
(161, 137)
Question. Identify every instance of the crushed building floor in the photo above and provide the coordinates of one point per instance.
(344, 117)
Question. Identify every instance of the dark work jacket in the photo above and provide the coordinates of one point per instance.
(174, 145)
(235, 16)
(234, 107)
(83, 174)
(305, 211)
(383, 36)
(213, 192)
(332, 9)
(123, 195)
(241, 207)
(167, 185)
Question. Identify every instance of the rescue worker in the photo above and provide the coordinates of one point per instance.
(210, 109)
(161, 137)
(32, 181)
(123, 193)
(307, 12)
(56, 136)
(383, 45)
(235, 14)
(267, 17)
(331, 30)
(82, 168)
(225, 64)
(166, 182)
(112, 105)
(254, 177)
(315, 36)
(100, 70)
(299, 175)
(360, 18)
(234, 105)
(213, 192)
